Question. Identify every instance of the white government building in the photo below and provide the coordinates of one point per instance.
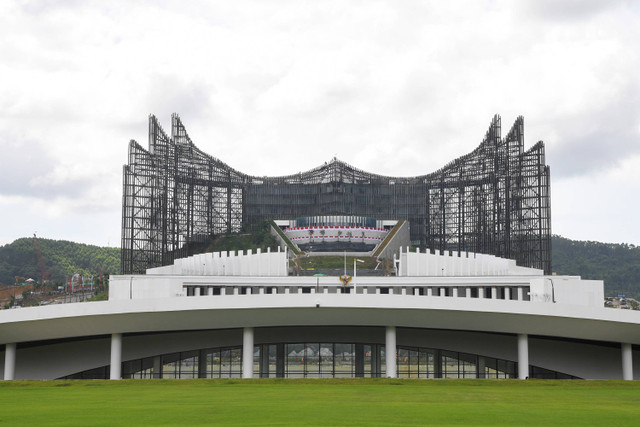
(224, 315)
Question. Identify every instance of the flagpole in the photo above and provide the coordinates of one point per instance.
(345, 263)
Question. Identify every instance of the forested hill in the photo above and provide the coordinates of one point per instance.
(617, 264)
(62, 259)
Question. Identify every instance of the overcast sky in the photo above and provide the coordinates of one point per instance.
(277, 87)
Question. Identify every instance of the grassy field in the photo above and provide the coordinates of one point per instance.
(336, 262)
(369, 402)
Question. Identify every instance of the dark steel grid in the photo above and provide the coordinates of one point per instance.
(494, 200)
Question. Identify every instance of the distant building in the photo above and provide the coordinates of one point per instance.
(494, 200)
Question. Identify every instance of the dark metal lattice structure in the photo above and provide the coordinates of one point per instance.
(494, 200)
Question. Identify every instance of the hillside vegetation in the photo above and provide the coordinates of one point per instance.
(258, 239)
(617, 264)
(62, 259)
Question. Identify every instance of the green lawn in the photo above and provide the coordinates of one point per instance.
(336, 262)
(367, 402)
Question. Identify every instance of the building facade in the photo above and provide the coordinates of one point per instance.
(494, 200)
(226, 315)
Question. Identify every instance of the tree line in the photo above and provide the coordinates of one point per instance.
(62, 259)
(618, 264)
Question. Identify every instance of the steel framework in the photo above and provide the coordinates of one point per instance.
(493, 200)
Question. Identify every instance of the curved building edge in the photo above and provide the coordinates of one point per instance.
(57, 341)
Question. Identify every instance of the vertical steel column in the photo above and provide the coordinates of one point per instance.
(157, 367)
(280, 360)
(264, 361)
(359, 360)
(202, 364)
(437, 364)
(376, 365)
(229, 228)
(481, 367)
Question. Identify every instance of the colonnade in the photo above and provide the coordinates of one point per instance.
(248, 345)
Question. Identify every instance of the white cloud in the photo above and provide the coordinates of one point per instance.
(393, 88)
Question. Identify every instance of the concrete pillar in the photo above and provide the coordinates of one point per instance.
(455, 292)
(437, 364)
(520, 293)
(209, 291)
(375, 361)
(507, 293)
(247, 353)
(467, 292)
(429, 292)
(359, 349)
(10, 361)
(390, 351)
(627, 362)
(202, 364)
(157, 367)
(116, 357)
(443, 292)
(264, 361)
(481, 292)
(280, 359)
(482, 366)
(523, 356)
(494, 292)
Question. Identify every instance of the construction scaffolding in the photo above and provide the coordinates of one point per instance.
(494, 200)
